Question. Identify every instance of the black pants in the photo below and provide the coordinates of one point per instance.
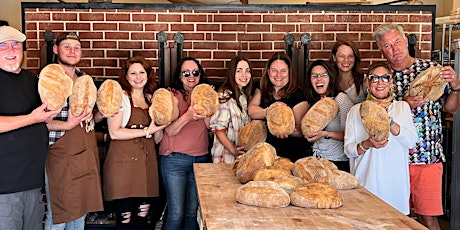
(131, 205)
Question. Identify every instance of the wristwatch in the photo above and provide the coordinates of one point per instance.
(146, 131)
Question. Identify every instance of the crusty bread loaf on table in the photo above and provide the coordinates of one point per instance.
(252, 133)
(262, 194)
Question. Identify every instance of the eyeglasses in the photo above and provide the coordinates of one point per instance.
(187, 73)
(275, 71)
(322, 75)
(15, 45)
(375, 78)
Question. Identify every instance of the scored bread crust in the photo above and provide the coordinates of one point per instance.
(262, 194)
(283, 162)
(280, 119)
(375, 120)
(267, 172)
(54, 86)
(319, 115)
(205, 98)
(311, 170)
(164, 108)
(429, 84)
(260, 155)
(109, 98)
(288, 183)
(343, 180)
(316, 195)
(252, 133)
(84, 94)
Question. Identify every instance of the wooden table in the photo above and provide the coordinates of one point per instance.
(361, 209)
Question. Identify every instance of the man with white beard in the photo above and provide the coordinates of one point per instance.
(23, 137)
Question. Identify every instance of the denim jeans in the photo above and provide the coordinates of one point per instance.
(176, 171)
(78, 224)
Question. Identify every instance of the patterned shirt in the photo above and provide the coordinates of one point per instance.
(427, 118)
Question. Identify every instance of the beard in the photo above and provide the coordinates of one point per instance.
(13, 68)
(64, 62)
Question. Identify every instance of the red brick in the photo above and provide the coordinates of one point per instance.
(50, 26)
(37, 16)
(425, 46)
(216, 73)
(182, 27)
(363, 45)
(32, 44)
(64, 16)
(371, 54)
(273, 36)
(249, 37)
(229, 46)
(324, 55)
(249, 18)
(194, 36)
(105, 62)
(279, 45)
(244, 46)
(322, 36)
(156, 27)
(187, 45)
(91, 35)
(335, 27)
(283, 28)
(298, 18)
(131, 27)
(198, 54)
(322, 18)
(360, 27)
(77, 26)
(103, 10)
(105, 26)
(311, 28)
(31, 35)
(371, 18)
(347, 18)
(104, 44)
(427, 28)
(315, 45)
(117, 17)
(116, 35)
(396, 18)
(225, 18)
(233, 27)
(169, 18)
(274, 18)
(347, 36)
(366, 37)
(224, 37)
(205, 27)
(93, 53)
(212, 63)
(258, 28)
(85, 62)
(260, 45)
(35, 71)
(251, 55)
(143, 36)
(31, 26)
(200, 45)
(32, 63)
(144, 17)
(424, 37)
(194, 18)
(91, 17)
(129, 45)
(420, 18)
(93, 71)
(150, 45)
(118, 53)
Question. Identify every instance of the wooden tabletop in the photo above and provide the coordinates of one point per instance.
(361, 209)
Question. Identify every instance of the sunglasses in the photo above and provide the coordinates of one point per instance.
(375, 78)
(187, 73)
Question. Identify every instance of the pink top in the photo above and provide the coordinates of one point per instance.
(192, 139)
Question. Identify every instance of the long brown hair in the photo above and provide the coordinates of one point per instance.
(267, 88)
(176, 81)
(151, 84)
(332, 88)
(356, 71)
(230, 82)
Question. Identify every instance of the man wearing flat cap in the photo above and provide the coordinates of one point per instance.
(23, 137)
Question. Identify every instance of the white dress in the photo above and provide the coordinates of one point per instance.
(384, 171)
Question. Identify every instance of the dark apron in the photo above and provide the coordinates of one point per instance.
(72, 165)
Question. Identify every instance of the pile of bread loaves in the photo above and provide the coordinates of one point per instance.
(272, 181)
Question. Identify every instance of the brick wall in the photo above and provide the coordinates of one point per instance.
(215, 34)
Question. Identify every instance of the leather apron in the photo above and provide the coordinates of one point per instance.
(73, 166)
(131, 169)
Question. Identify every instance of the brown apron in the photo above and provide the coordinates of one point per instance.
(131, 169)
(74, 182)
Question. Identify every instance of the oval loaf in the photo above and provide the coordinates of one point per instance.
(54, 86)
(260, 155)
(319, 115)
(375, 120)
(252, 133)
(164, 108)
(205, 98)
(429, 84)
(316, 195)
(262, 194)
(84, 94)
(280, 119)
(109, 98)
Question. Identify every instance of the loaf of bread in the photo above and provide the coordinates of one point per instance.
(311, 170)
(280, 119)
(288, 183)
(109, 98)
(429, 84)
(252, 133)
(319, 115)
(267, 172)
(316, 195)
(84, 94)
(164, 107)
(54, 86)
(283, 162)
(375, 120)
(205, 98)
(343, 180)
(260, 155)
(262, 194)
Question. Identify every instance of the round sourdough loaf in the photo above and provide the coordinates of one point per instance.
(343, 180)
(164, 108)
(54, 86)
(311, 170)
(84, 94)
(262, 194)
(283, 162)
(280, 119)
(267, 172)
(429, 84)
(109, 98)
(205, 98)
(375, 120)
(316, 195)
(260, 155)
(288, 183)
(319, 115)
(252, 133)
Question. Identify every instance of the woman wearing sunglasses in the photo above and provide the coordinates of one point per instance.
(278, 84)
(328, 143)
(185, 141)
(382, 166)
(232, 114)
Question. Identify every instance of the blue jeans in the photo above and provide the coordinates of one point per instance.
(78, 224)
(176, 171)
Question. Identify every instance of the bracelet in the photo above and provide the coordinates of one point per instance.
(455, 90)
(362, 147)
(146, 131)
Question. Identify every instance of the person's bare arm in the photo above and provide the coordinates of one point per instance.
(8, 123)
